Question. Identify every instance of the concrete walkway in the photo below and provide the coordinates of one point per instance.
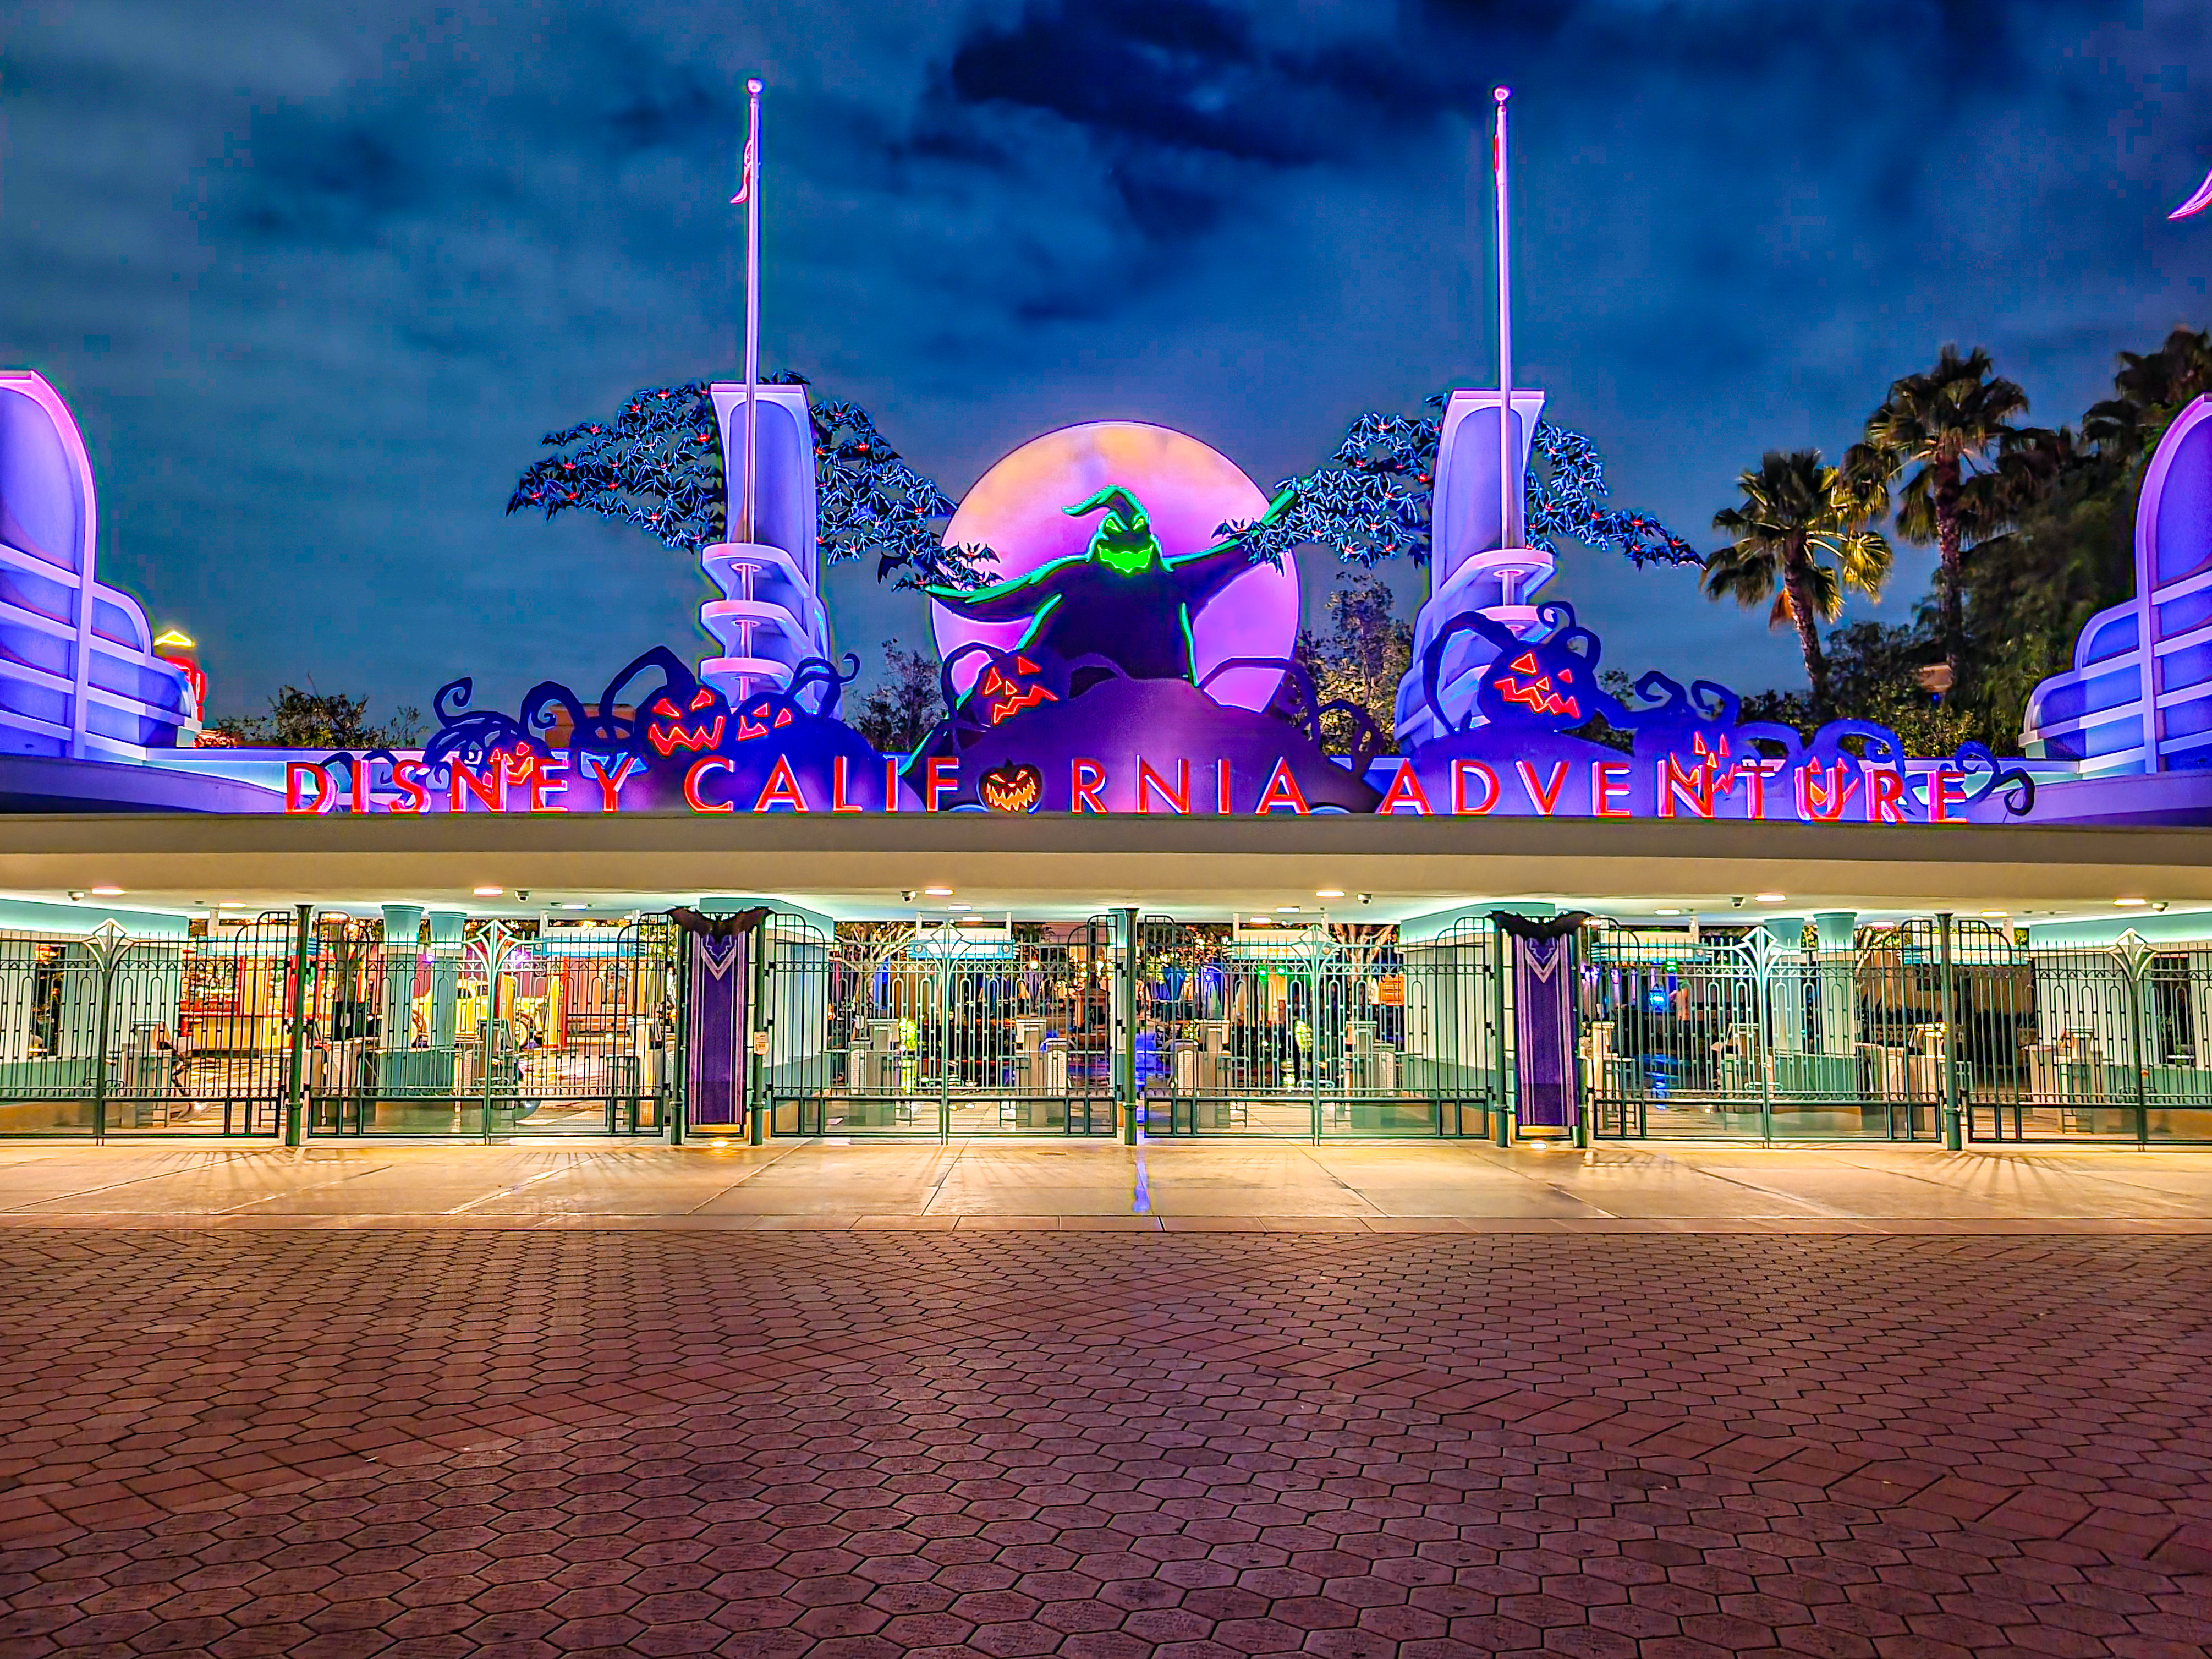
(1098, 1187)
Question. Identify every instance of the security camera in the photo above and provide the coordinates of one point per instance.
(75, 895)
(906, 895)
(1367, 898)
(522, 895)
(1737, 903)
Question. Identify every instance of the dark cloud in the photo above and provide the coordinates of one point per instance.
(316, 280)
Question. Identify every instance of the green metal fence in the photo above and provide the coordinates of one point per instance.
(1313, 1030)
(939, 1028)
(1934, 1029)
(105, 1034)
(512, 1029)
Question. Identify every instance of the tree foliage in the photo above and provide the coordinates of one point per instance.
(1374, 499)
(1801, 536)
(901, 709)
(657, 464)
(1972, 471)
(2045, 527)
(1360, 660)
(313, 720)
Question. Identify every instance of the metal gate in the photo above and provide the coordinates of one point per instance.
(105, 1034)
(516, 1029)
(940, 1029)
(1930, 1019)
(2085, 1044)
(1314, 1031)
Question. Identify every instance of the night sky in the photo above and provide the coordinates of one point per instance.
(316, 278)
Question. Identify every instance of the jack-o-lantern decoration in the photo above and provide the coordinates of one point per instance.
(1524, 682)
(1010, 685)
(669, 731)
(1011, 788)
(762, 716)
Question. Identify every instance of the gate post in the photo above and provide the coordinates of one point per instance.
(2134, 969)
(757, 1105)
(1125, 1019)
(1501, 1129)
(294, 1116)
(1954, 1139)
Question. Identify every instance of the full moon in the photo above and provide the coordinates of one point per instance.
(1187, 488)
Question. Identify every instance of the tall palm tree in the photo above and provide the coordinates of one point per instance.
(2151, 388)
(1954, 423)
(1801, 536)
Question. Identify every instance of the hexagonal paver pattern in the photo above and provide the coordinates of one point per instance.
(1104, 1446)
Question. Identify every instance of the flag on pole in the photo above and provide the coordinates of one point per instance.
(745, 177)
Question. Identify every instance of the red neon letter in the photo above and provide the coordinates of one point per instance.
(781, 789)
(1178, 798)
(1821, 798)
(1608, 778)
(609, 783)
(413, 797)
(1941, 800)
(1282, 790)
(1404, 790)
(490, 788)
(1085, 778)
(1459, 776)
(1694, 789)
(891, 783)
(838, 779)
(1221, 787)
(296, 773)
(1757, 770)
(1887, 805)
(938, 786)
(1542, 799)
(360, 781)
(692, 798)
(548, 778)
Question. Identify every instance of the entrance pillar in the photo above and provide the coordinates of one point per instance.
(403, 931)
(446, 929)
(1837, 978)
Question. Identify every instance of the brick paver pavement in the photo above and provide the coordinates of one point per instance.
(1096, 1445)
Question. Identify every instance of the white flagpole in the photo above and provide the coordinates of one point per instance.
(1509, 456)
(752, 169)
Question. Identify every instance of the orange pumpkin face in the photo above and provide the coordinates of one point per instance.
(668, 733)
(1011, 788)
(1537, 692)
(1008, 689)
(761, 718)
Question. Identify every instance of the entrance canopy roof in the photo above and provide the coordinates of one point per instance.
(1051, 865)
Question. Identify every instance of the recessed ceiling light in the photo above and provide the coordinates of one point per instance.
(1996, 913)
(955, 905)
(1287, 909)
(230, 904)
(1665, 913)
(1329, 892)
(107, 892)
(938, 892)
(2132, 900)
(1263, 921)
(973, 922)
(487, 892)
(1769, 898)
(573, 904)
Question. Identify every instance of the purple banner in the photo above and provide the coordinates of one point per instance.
(716, 1020)
(1543, 1031)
